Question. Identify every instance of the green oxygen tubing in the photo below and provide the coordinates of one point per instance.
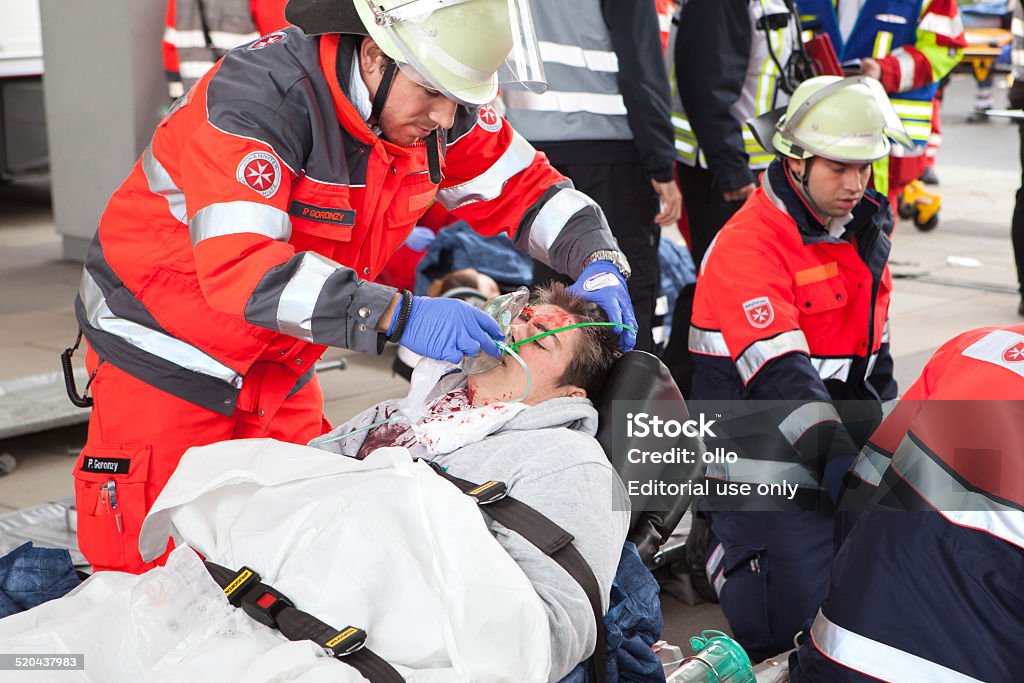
(513, 351)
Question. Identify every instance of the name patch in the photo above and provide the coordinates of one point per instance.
(322, 214)
(106, 465)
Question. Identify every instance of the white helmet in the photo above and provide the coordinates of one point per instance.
(849, 120)
(463, 48)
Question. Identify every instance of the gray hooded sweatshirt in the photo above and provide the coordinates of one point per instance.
(549, 459)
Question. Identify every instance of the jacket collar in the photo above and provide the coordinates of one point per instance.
(337, 53)
(869, 216)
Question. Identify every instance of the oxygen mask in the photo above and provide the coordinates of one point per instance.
(505, 309)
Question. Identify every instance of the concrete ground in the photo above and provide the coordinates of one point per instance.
(957, 277)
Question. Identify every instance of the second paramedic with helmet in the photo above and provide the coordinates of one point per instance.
(746, 53)
(246, 238)
(792, 308)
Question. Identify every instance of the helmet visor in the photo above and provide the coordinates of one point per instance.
(894, 128)
(465, 49)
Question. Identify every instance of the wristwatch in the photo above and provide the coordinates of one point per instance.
(617, 258)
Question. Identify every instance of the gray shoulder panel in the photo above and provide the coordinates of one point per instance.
(270, 93)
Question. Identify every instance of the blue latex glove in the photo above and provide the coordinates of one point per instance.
(448, 329)
(602, 283)
(420, 239)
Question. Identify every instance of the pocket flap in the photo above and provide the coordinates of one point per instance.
(323, 211)
(821, 295)
(742, 556)
(129, 464)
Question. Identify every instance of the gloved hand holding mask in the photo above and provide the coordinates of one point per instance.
(447, 329)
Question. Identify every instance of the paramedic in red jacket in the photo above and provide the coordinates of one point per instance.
(930, 574)
(791, 311)
(246, 238)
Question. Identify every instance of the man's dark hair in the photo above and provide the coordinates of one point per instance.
(597, 348)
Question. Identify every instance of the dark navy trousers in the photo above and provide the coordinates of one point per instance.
(771, 574)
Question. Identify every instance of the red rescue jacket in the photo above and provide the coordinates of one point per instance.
(784, 311)
(252, 223)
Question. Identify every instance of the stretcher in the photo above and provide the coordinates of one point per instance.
(984, 48)
(632, 378)
(49, 525)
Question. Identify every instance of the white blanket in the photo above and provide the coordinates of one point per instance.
(384, 544)
(169, 625)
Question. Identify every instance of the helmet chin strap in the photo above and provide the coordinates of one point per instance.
(804, 189)
(381, 96)
(377, 108)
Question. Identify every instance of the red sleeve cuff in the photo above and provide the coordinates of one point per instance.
(890, 74)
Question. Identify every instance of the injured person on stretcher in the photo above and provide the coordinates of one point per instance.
(378, 539)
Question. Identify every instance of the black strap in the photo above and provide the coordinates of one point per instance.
(205, 26)
(386, 79)
(433, 157)
(244, 590)
(549, 538)
(85, 400)
(404, 311)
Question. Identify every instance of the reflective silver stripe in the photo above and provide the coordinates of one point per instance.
(446, 59)
(719, 583)
(952, 500)
(573, 55)
(907, 66)
(664, 22)
(658, 333)
(912, 109)
(159, 181)
(883, 41)
(176, 89)
(806, 416)
(832, 368)
(949, 27)
(878, 660)
(681, 122)
(553, 216)
(232, 218)
(918, 131)
(194, 69)
(750, 471)
(223, 40)
(891, 18)
(1006, 523)
(707, 342)
(489, 184)
(156, 343)
(885, 332)
(299, 296)
(595, 103)
(711, 566)
(872, 359)
(759, 353)
(870, 465)
(889, 406)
